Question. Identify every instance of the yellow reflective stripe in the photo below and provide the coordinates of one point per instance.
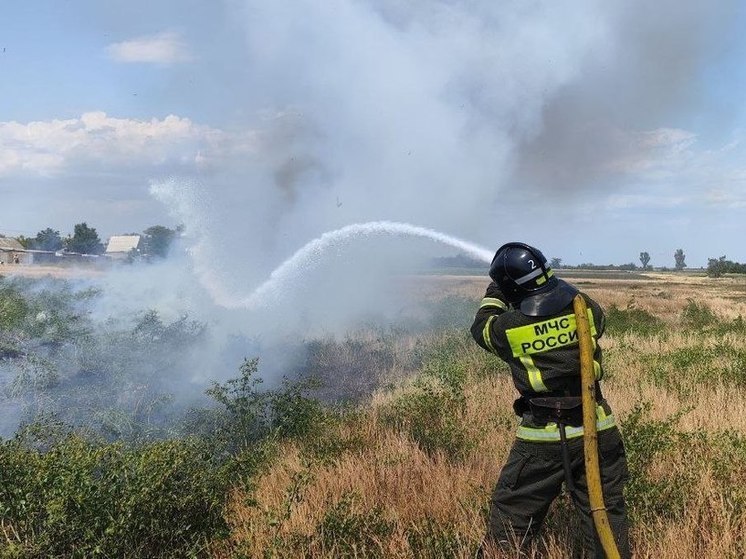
(534, 374)
(545, 335)
(541, 279)
(594, 332)
(486, 334)
(493, 302)
(597, 370)
(551, 431)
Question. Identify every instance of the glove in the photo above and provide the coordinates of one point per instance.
(493, 290)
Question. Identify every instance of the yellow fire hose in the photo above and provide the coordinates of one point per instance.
(590, 435)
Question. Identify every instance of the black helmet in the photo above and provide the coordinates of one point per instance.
(527, 281)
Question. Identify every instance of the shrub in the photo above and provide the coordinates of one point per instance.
(431, 412)
(646, 441)
(243, 418)
(249, 414)
(85, 499)
(697, 315)
(13, 307)
(430, 415)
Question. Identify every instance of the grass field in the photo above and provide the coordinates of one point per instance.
(409, 475)
(404, 469)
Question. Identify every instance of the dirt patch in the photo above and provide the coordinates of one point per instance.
(34, 271)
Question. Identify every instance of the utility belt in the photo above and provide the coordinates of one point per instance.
(557, 404)
(565, 410)
(553, 418)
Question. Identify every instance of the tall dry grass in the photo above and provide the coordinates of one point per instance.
(387, 494)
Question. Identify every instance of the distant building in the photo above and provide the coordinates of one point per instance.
(12, 252)
(120, 247)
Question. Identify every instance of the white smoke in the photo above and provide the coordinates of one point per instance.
(371, 111)
(420, 112)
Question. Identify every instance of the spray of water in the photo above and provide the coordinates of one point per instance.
(310, 254)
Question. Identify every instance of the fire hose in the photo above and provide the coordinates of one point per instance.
(590, 434)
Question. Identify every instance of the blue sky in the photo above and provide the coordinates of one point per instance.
(595, 132)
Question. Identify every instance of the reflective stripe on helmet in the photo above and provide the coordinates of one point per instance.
(493, 302)
(531, 275)
(543, 279)
(550, 433)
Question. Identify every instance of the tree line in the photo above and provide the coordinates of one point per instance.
(716, 267)
(156, 240)
(679, 263)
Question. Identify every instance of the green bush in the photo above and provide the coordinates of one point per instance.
(697, 316)
(430, 416)
(50, 312)
(244, 416)
(63, 494)
(85, 499)
(249, 414)
(431, 413)
(647, 440)
(13, 307)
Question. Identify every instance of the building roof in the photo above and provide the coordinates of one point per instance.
(122, 243)
(9, 243)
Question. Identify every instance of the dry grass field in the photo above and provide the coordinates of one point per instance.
(57, 272)
(409, 473)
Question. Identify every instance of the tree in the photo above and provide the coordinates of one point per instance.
(716, 267)
(47, 239)
(555, 263)
(84, 240)
(26, 242)
(644, 259)
(157, 240)
(679, 257)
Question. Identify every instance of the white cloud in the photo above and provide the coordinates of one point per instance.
(721, 197)
(646, 201)
(163, 48)
(98, 141)
(665, 169)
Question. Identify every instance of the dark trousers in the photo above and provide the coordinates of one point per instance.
(532, 478)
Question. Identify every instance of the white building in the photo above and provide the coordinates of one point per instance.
(120, 247)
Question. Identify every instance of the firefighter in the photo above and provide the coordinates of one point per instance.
(526, 318)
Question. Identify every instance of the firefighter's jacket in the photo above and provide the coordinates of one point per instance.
(542, 352)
